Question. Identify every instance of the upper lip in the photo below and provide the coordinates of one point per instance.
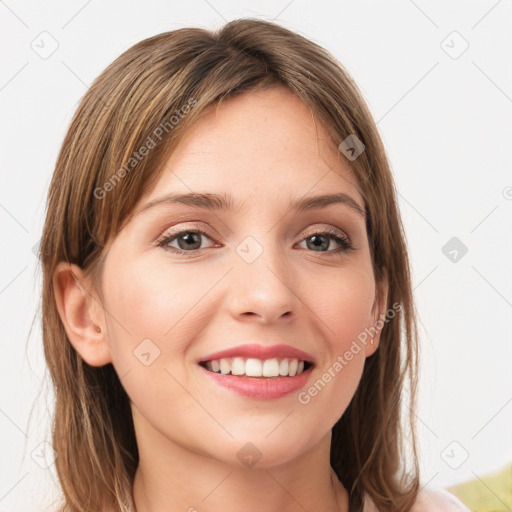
(260, 352)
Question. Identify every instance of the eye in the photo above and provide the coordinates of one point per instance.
(188, 240)
(322, 240)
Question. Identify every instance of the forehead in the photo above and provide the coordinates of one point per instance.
(264, 142)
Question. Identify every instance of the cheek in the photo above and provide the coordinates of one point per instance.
(154, 303)
(152, 316)
(343, 303)
(148, 308)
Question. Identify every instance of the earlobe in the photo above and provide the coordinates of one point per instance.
(81, 314)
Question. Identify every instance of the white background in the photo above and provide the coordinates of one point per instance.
(446, 123)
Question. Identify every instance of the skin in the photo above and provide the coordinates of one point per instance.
(265, 149)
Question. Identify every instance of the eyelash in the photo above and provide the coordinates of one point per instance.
(346, 245)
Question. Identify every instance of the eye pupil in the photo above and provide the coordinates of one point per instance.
(191, 238)
(319, 241)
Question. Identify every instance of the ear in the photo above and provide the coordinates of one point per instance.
(81, 313)
(378, 315)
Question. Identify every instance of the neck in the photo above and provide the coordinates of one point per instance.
(172, 477)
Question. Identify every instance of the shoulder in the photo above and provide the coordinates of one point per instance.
(438, 500)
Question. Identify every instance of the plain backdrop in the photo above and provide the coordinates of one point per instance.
(437, 78)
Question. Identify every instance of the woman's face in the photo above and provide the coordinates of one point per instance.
(257, 273)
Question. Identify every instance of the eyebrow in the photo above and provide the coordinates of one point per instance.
(226, 202)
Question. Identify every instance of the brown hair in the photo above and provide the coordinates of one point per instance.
(93, 193)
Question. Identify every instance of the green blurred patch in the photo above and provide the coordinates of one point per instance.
(492, 493)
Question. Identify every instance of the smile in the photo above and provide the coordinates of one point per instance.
(258, 371)
(253, 367)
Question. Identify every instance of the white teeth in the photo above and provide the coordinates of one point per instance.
(271, 368)
(238, 366)
(253, 367)
(225, 367)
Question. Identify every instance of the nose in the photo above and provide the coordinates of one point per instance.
(263, 290)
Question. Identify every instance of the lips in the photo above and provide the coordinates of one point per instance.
(284, 369)
(260, 352)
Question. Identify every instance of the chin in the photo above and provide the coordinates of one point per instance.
(266, 450)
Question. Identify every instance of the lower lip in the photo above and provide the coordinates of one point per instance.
(260, 387)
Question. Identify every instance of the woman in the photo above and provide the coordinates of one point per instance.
(227, 306)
